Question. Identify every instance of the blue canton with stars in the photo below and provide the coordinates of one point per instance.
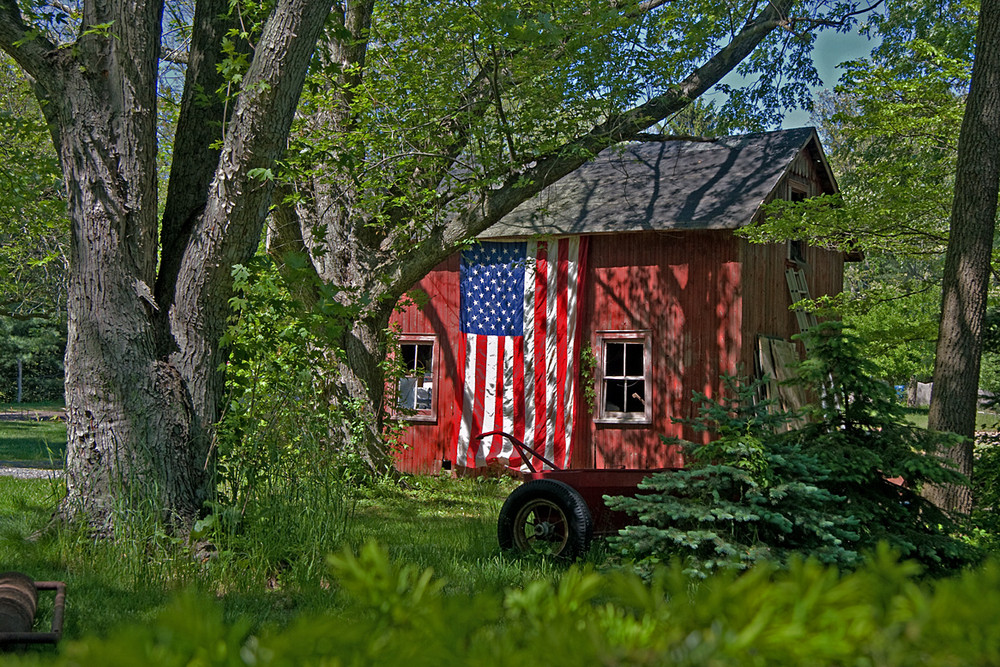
(492, 279)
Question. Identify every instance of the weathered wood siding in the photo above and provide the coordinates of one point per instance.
(434, 310)
(685, 289)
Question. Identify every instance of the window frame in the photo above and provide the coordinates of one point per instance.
(602, 416)
(426, 415)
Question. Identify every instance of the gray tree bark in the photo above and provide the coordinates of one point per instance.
(143, 384)
(967, 262)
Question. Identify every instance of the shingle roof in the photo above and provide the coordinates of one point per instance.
(662, 186)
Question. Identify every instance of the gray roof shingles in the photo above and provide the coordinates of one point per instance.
(671, 185)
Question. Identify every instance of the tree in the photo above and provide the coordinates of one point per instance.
(506, 100)
(142, 359)
(967, 262)
(148, 293)
(33, 227)
(891, 132)
(34, 238)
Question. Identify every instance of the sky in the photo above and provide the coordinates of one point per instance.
(832, 48)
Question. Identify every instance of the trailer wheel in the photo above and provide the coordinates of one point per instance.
(548, 517)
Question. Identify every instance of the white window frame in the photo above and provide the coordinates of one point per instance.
(603, 416)
(425, 414)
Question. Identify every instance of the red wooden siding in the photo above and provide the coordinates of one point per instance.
(685, 289)
(427, 443)
(703, 295)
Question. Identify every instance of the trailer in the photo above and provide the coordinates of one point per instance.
(557, 512)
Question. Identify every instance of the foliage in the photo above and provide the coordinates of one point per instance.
(396, 614)
(278, 472)
(38, 344)
(34, 230)
(34, 237)
(745, 497)
(430, 522)
(986, 489)
(891, 133)
(876, 458)
(825, 490)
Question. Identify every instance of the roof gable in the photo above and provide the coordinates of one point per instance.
(672, 185)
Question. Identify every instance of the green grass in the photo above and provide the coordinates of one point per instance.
(37, 442)
(447, 525)
(430, 522)
(18, 407)
(985, 421)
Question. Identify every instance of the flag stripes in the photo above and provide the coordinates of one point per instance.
(519, 318)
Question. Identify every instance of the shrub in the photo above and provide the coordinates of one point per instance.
(845, 480)
(808, 614)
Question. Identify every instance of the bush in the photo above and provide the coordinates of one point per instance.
(846, 480)
(285, 487)
(40, 344)
(745, 497)
(808, 614)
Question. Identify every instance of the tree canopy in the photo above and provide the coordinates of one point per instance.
(423, 124)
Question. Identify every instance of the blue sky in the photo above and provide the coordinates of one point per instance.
(832, 48)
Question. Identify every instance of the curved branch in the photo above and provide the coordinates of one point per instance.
(26, 45)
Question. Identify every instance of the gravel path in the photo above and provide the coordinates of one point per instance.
(25, 472)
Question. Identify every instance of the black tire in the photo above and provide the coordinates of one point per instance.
(548, 517)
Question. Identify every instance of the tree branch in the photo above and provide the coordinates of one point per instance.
(25, 45)
(482, 211)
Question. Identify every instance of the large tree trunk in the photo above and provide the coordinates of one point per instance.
(128, 418)
(967, 263)
(143, 378)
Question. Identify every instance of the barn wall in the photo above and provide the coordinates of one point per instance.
(434, 310)
(685, 289)
(682, 287)
(766, 307)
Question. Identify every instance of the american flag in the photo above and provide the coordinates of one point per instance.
(519, 317)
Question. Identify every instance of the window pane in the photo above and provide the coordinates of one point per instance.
(409, 353)
(635, 396)
(614, 395)
(425, 357)
(633, 359)
(407, 393)
(614, 359)
(423, 396)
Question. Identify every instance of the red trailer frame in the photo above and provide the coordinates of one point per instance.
(557, 512)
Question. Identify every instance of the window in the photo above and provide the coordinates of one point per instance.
(416, 399)
(797, 248)
(797, 252)
(623, 378)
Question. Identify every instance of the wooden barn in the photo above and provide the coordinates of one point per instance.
(585, 320)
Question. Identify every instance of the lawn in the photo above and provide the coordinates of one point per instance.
(494, 607)
(985, 421)
(41, 443)
(429, 522)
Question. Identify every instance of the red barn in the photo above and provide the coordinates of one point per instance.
(626, 290)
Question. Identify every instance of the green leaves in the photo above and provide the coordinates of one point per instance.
(387, 613)
(759, 491)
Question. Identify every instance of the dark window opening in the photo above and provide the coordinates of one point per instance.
(623, 377)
